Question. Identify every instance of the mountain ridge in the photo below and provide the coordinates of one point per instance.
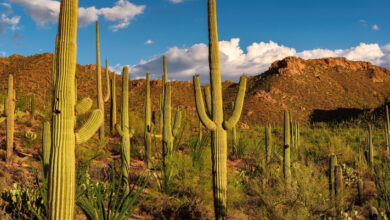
(302, 86)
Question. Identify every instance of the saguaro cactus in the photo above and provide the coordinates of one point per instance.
(124, 129)
(387, 130)
(332, 165)
(149, 125)
(268, 143)
(234, 136)
(287, 147)
(164, 80)
(100, 99)
(360, 190)
(62, 160)
(370, 150)
(169, 132)
(46, 147)
(113, 105)
(215, 122)
(10, 113)
(339, 187)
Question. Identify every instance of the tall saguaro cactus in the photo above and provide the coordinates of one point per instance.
(215, 122)
(287, 147)
(100, 98)
(10, 113)
(169, 132)
(62, 180)
(113, 105)
(124, 129)
(164, 80)
(149, 125)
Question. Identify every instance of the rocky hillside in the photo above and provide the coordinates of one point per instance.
(313, 90)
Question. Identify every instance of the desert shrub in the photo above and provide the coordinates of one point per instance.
(23, 203)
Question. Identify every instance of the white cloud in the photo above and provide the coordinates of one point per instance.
(3, 53)
(148, 42)
(183, 63)
(8, 22)
(176, 1)
(7, 5)
(47, 11)
(375, 27)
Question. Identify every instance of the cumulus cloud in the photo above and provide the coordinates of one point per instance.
(183, 63)
(176, 1)
(148, 42)
(375, 27)
(47, 11)
(8, 22)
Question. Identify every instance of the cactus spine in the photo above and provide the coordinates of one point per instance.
(113, 105)
(10, 113)
(124, 129)
(46, 147)
(332, 165)
(62, 180)
(215, 122)
(287, 147)
(370, 158)
(100, 99)
(268, 143)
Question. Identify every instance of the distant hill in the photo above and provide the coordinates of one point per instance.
(312, 89)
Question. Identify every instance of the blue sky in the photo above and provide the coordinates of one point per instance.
(253, 33)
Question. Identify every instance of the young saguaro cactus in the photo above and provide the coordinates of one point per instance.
(215, 122)
(10, 114)
(268, 143)
(123, 129)
(62, 180)
(287, 147)
(100, 98)
(234, 136)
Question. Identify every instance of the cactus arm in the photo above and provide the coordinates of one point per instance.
(156, 135)
(232, 121)
(107, 97)
(118, 128)
(90, 127)
(177, 123)
(84, 106)
(207, 93)
(131, 133)
(2, 119)
(204, 118)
